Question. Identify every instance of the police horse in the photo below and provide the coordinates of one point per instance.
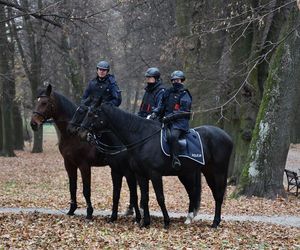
(142, 139)
(79, 154)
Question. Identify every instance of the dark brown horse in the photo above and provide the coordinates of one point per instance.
(81, 155)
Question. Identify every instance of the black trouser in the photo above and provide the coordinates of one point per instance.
(175, 133)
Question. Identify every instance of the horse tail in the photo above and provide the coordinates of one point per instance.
(197, 190)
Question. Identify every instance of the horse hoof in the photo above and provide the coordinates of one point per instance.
(137, 220)
(189, 218)
(72, 209)
(188, 221)
(144, 225)
(128, 212)
(89, 217)
(166, 225)
(89, 212)
(215, 224)
(112, 219)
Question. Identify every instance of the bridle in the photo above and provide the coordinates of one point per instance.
(47, 114)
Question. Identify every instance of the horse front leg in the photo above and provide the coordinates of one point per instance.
(86, 183)
(159, 192)
(144, 186)
(72, 174)
(117, 185)
(132, 184)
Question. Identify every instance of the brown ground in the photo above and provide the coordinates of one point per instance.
(39, 180)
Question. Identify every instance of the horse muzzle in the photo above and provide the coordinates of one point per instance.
(72, 129)
(34, 125)
(82, 133)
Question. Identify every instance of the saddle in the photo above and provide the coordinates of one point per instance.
(190, 145)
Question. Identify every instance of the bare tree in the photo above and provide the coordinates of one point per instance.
(6, 89)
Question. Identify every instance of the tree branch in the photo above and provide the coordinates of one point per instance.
(27, 12)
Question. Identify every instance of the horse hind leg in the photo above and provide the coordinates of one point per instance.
(217, 183)
(158, 188)
(86, 182)
(192, 186)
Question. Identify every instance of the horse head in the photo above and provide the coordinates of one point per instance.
(94, 121)
(78, 117)
(44, 108)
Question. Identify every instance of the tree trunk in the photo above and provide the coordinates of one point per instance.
(18, 128)
(1, 130)
(263, 172)
(32, 64)
(7, 95)
(18, 138)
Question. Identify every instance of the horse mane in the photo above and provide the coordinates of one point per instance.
(65, 104)
(131, 121)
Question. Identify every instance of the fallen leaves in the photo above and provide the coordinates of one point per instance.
(49, 231)
(40, 180)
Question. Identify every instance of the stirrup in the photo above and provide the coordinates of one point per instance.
(176, 164)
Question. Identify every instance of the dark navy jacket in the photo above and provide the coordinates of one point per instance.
(106, 89)
(152, 97)
(176, 100)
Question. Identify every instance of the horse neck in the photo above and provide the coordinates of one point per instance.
(62, 114)
(127, 127)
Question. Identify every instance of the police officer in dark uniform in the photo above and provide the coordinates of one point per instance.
(104, 87)
(175, 108)
(153, 93)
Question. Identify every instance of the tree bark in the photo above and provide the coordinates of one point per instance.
(263, 172)
(32, 64)
(1, 129)
(18, 138)
(7, 89)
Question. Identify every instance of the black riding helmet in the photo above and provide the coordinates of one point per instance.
(177, 74)
(153, 72)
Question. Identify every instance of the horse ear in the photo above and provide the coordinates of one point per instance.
(49, 90)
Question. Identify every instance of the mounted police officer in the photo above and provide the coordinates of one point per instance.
(175, 108)
(103, 87)
(153, 93)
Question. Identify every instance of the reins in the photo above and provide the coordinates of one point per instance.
(125, 147)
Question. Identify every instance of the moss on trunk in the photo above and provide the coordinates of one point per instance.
(263, 172)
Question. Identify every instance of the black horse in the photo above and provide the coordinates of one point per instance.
(80, 154)
(142, 139)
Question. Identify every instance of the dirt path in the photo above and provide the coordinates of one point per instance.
(286, 220)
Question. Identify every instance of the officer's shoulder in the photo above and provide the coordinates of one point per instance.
(162, 87)
(112, 79)
(186, 91)
(93, 80)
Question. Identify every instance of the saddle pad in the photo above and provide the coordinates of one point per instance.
(190, 145)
